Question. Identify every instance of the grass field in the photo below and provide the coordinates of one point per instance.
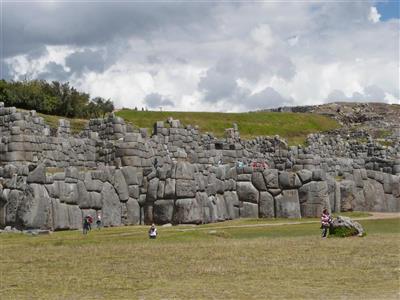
(293, 126)
(216, 261)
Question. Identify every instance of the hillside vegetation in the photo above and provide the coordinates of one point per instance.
(215, 261)
(293, 126)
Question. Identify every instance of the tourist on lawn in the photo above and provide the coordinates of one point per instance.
(153, 231)
(86, 224)
(326, 220)
(98, 222)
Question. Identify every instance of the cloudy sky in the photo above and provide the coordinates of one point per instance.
(207, 55)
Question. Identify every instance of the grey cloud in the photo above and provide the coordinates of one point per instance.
(371, 93)
(54, 71)
(217, 85)
(86, 60)
(156, 100)
(267, 98)
(29, 25)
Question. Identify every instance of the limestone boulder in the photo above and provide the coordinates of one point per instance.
(266, 205)
(36, 211)
(185, 188)
(247, 192)
(258, 181)
(271, 178)
(314, 198)
(288, 204)
(111, 206)
(187, 211)
(60, 215)
(289, 180)
(248, 210)
(120, 186)
(163, 211)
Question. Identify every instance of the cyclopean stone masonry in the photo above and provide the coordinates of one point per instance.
(50, 179)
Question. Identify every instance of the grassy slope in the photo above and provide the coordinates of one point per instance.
(77, 125)
(284, 262)
(293, 126)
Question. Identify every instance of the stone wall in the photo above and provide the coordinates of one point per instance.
(50, 178)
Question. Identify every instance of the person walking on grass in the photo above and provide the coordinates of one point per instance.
(153, 231)
(326, 220)
(86, 225)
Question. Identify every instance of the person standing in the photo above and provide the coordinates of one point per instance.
(325, 222)
(98, 222)
(153, 231)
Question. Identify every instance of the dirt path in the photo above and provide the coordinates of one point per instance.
(375, 216)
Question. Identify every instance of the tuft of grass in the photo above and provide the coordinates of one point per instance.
(270, 262)
(293, 126)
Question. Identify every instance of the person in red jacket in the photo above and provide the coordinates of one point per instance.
(326, 220)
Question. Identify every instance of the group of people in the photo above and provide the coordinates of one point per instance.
(88, 221)
(326, 223)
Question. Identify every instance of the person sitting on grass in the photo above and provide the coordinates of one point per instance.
(325, 222)
(153, 231)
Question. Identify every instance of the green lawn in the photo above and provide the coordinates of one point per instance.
(203, 262)
(293, 126)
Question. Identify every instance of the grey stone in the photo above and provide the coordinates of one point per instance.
(258, 181)
(346, 222)
(187, 211)
(38, 175)
(163, 211)
(133, 212)
(133, 191)
(266, 205)
(184, 170)
(314, 198)
(347, 190)
(247, 192)
(289, 180)
(84, 199)
(305, 175)
(120, 186)
(74, 217)
(249, 210)
(185, 188)
(60, 215)
(68, 192)
(287, 204)
(169, 190)
(35, 211)
(152, 190)
(111, 206)
(271, 178)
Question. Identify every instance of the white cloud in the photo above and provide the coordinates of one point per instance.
(233, 57)
(374, 16)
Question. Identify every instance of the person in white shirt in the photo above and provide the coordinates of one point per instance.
(153, 231)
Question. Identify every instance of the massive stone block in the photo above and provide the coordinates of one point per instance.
(314, 198)
(258, 181)
(247, 192)
(248, 210)
(163, 211)
(266, 205)
(35, 211)
(185, 188)
(120, 186)
(111, 206)
(289, 180)
(287, 204)
(187, 211)
(271, 178)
